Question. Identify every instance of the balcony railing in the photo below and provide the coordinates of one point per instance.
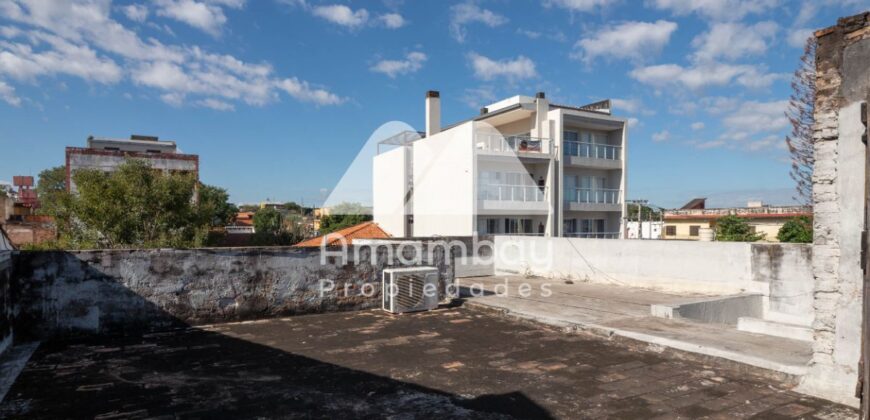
(592, 150)
(593, 235)
(596, 196)
(515, 144)
(522, 193)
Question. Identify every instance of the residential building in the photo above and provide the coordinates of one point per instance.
(243, 224)
(523, 166)
(346, 236)
(107, 154)
(688, 221)
(319, 213)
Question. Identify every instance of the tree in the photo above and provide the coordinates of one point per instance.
(214, 202)
(272, 228)
(268, 221)
(735, 229)
(647, 212)
(51, 189)
(344, 215)
(799, 230)
(136, 206)
(801, 106)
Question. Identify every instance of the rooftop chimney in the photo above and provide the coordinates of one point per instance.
(483, 111)
(540, 95)
(433, 112)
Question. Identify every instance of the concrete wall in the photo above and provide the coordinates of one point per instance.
(444, 190)
(782, 273)
(390, 186)
(842, 83)
(6, 336)
(122, 291)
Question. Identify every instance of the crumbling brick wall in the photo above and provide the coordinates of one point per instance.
(129, 291)
(842, 83)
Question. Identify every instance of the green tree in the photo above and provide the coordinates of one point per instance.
(51, 189)
(268, 221)
(798, 230)
(136, 206)
(735, 229)
(344, 215)
(214, 204)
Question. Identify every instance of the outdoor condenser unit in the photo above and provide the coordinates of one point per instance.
(405, 289)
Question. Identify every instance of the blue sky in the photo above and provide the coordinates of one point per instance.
(278, 96)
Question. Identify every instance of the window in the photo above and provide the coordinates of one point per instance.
(491, 226)
(670, 230)
(693, 230)
(113, 149)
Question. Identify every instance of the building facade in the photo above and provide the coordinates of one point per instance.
(523, 166)
(107, 154)
(688, 222)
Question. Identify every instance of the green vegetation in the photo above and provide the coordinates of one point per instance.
(134, 206)
(735, 229)
(647, 212)
(797, 230)
(344, 215)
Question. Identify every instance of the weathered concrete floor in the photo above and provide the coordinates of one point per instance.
(624, 311)
(441, 364)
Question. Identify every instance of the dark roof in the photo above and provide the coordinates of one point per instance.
(696, 203)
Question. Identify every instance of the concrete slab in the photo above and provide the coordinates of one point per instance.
(615, 310)
(774, 328)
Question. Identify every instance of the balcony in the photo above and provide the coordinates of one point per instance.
(513, 199)
(523, 146)
(593, 235)
(592, 199)
(594, 155)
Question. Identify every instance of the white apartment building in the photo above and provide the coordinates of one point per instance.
(523, 166)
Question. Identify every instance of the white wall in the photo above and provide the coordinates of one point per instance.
(444, 190)
(390, 184)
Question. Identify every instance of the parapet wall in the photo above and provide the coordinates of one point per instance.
(129, 291)
(780, 272)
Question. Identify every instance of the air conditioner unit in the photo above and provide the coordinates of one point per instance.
(405, 289)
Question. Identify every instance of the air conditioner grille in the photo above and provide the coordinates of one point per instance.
(409, 293)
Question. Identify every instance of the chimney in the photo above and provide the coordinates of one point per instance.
(433, 112)
(483, 111)
(542, 124)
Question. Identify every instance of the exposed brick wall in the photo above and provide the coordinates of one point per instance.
(128, 291)
(838, 194)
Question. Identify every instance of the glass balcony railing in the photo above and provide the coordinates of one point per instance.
(595, 196)
(592, 150)
(593, 235)
(522, 193)
(515, 144)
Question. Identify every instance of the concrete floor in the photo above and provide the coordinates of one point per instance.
(449, 363)
(615, 310)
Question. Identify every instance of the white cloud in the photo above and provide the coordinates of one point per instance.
(631, 106)
(752, 126)
(698, 125)
(392, 20)
(303, 92)
(704, 75)
(628, 40)
(661, 136)
(78, 38)
(412, 62)
(633, 122)
(478, 97)
(718, 10)
(206, 15)
(215, 104)
(734, 40)
(135, 12)
(798, 37)
(7, 93)
(464, 13)
(340, 14)
(486, 68)
(578, 5)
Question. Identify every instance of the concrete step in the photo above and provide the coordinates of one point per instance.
(773, 328)
(718, 310)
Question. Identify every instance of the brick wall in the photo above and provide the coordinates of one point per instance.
(838, 205)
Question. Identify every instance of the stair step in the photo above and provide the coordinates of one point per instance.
(773, 328)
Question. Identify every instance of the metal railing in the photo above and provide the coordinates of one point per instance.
(516, 144)
(592, 150)
(597, 196)
(593, 235)
(523, 193)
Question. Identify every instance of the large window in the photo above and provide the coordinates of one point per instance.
(693, 230)
(670, 231)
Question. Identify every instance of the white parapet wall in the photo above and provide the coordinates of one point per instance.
(782, 273)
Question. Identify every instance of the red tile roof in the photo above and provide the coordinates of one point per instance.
(366, 230)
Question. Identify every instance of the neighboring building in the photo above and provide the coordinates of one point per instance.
(644, 230)
(523, 166)
(319, 213)
(107, 154)
(243, 224)
(365, 230)
(687, 222)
